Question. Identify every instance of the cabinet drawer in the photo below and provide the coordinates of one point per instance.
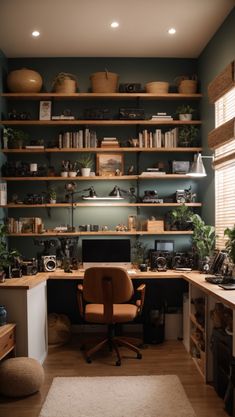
(7, 343)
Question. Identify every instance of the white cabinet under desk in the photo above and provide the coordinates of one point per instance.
(28, 309)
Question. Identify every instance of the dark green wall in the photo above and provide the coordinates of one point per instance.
(3, 72)
(219, 52)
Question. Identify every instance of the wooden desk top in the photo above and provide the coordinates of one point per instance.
(195, 278)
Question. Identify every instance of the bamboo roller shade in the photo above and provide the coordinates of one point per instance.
(221, 134)
(222, 83)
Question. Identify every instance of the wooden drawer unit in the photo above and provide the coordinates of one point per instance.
(7, 339)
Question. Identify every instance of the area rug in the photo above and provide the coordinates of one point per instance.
(119, 396)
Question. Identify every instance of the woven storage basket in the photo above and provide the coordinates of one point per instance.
(104, 82)
(67, 86)
(187, 86)
(157, 87)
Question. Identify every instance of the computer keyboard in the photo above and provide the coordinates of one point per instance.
(219, 279)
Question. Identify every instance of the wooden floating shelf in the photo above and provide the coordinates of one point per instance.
(98, 122)
(61, 96)
(98, 204)
(102, 233)
(100, 178)
(97, 150)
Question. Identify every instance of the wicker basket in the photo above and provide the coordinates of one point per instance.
(66, 87)
(157, 87)
(104, 82)
(187, 87)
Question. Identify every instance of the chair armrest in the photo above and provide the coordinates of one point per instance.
(140, 303)
(80, 299)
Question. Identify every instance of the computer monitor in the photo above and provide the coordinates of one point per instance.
(106, 252)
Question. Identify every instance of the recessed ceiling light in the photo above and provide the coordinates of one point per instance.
(114, 25)
(171, 31)
(35, 33)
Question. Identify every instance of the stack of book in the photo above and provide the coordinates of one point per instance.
(161, 116)
(109, 143)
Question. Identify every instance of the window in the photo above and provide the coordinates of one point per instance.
(224, 165)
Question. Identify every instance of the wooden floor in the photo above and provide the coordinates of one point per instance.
(167, 358)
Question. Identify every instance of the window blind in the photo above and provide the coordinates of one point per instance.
(225, 108)
(222, 140)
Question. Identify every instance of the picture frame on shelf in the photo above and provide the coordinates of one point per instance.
(109, 164)
(45, 110)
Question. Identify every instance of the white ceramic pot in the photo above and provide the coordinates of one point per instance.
(85, 172)
(52, 201)
(72, 173)
(64, 174)
(185, 117)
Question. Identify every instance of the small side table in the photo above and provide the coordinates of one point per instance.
(7, 340)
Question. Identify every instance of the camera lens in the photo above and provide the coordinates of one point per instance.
(50, 265)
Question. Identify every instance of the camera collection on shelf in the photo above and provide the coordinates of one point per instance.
(62, 252)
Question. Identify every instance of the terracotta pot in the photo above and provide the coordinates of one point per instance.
(24, 81)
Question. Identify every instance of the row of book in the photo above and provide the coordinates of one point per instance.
(159, 139)
(25, 225)
(80, 139)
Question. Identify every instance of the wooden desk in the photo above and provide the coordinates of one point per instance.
(7, 340)
(26, 302)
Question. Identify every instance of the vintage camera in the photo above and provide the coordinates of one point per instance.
(160, 260)
(34, 199)
(183, 260)
(97, 114)
(130, 88)
(16, 272)
(29, 266)
(48, 263)
(150, 196)
(131, 114)
(185, 196)
(180, 167)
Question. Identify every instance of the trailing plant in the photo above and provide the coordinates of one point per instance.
(203, 237)
(230, 244)
(7, 256)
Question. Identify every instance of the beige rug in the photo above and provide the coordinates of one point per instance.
(121, 396)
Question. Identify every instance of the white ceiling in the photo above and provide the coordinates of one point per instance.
(80, 28)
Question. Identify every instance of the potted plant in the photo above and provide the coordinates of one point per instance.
(65, 83)
(14, 138)
(185, 112)
(85, 163)
(203, 238)
(187, 135)
(52, 195)
(180, 218)
(138, 253)
(73, 169)
(7, 257)
(230, 244)
(65, 168)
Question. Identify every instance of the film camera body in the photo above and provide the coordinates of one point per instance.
(130, 88)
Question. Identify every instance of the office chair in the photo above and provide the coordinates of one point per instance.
(103, 298)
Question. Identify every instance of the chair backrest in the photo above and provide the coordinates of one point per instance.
(93, 284)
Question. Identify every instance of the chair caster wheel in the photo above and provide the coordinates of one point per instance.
(118, 363)
(139, 356)
(88, 360)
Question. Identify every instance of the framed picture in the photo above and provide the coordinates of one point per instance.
(45, 110)
(109, 164)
